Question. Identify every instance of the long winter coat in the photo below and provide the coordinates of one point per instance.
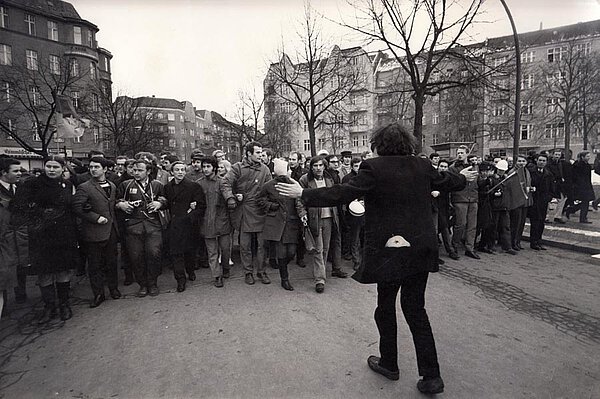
(282, 223)
(217, 221)
(14, 247)
(543, 182)
(46, 207)
(247, 178)
(517, 189)
(582, 181)
(397, 193)
(179, 197)
(91, 202)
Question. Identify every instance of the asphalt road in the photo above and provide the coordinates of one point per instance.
(524, 326)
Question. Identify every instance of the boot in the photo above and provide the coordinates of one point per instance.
(283, 273)
(62, 291)
(49, 311)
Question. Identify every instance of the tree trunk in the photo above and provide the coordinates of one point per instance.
(419, 100)
(567, 136)
(312, 138)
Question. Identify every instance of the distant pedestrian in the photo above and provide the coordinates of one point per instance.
(583, 191)
(541, 183)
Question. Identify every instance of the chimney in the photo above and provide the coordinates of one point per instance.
(541, 25)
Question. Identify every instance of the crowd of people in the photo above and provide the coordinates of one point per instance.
(154, 213)
(162, 212)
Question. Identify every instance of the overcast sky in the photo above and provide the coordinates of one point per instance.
(205, 51)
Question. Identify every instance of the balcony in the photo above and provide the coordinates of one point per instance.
(81, 51)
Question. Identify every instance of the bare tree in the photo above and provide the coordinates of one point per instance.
(316, 82)
(246, 119)
(571, 83)
(277, 135)
(28, 107)
(424, 54)
(128, 124)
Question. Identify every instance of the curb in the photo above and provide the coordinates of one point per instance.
(569, 246)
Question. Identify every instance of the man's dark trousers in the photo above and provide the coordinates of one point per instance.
(102, 263)
(412, 301)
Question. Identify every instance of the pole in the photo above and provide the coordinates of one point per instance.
(517, 124)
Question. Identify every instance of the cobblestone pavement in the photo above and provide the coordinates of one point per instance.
(524, 326)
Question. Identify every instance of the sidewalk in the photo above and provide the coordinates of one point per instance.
(572, 235)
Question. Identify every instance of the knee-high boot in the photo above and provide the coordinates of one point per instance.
(62, 291)
(283, 273)
(49, 311)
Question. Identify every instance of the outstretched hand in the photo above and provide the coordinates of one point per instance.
(291, 190)
(469, 173)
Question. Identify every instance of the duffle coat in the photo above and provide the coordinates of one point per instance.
(282, 221)
(217, 221)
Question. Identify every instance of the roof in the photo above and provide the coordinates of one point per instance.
(546, 36)
(155, 102)
(56, 8)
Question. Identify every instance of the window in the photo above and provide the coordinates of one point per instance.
(159, 116)
(11, 128)
(3, 17)
(77, 34)
(53, 31)
(182, 131)
(499, 132)
(95, 103)
(306, 145)
(354, 141)
(500, 83)
(6, 91)
(435, 138)
(527, 81)
(54, 63)
(553, 104)
(106, 65)
(180, 118)
(90, 39)
(435, 118)
(527, 107)
(584, 48)
(554, 130)
(286, 107)
(305, 126)
(77, 139)
(96, 135)
(358, 118)
(321, 143)
(448, 116)
(74, 67)
(34, 132)
(32, 60)
(365, 140)
(183, 144)
(30, 22)
(527, 57)
(171, 117)
(556, 54)
(498, 110)
(526, 131)
(499, 61)
(556, 76)
(172, 143)
(92, 71)
(171, 129)
(75, 97)
(5, 54)
(34, 95)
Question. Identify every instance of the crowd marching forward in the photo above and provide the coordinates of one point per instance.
(162, 212)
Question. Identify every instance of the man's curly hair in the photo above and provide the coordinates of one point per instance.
(393, 139)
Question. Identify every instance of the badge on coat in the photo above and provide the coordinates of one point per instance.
(133, 191)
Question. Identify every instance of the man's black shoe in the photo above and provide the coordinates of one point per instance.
(454, 255)
(153, 290)
(115, 293)
(510, 251)
(98, 299)
(487, 251)
(431, 386)
(373, 362)
(226, 273)
(263, 278)
(142, 292)
(516, 248)
(339, 273)
(542, 248)
(218, 282)
(181, 285)
(320, 287)
(249, 279)
(191, 276)
(301, 263)
(472, 254)
(440, 261)
(536, 247)
(559, 221)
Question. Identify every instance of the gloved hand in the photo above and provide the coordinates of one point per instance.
(231, 203)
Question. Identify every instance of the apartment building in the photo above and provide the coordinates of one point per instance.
(45, 45)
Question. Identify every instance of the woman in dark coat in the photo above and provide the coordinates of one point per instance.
(282, 223)
(400, 248)
(582, 186)
(44, 204)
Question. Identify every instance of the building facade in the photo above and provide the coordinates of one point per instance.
(46, 46)
(560, 97)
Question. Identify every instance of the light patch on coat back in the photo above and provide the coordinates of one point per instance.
(397, 242)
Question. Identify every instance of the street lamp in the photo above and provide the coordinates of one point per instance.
(517, 122)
